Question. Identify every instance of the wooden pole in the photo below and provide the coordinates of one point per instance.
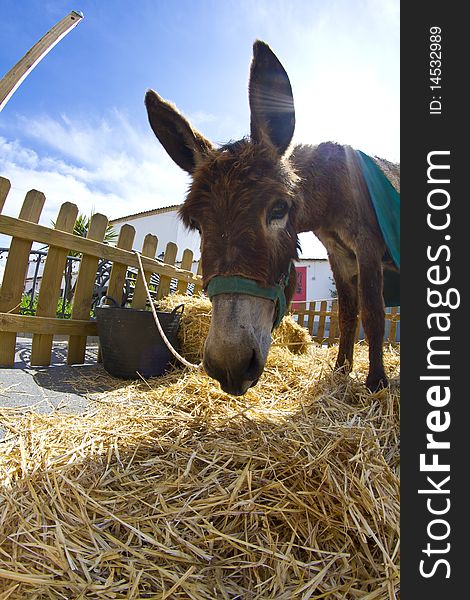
(18, 73)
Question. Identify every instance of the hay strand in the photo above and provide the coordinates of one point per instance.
(196, 320)
(171, 489)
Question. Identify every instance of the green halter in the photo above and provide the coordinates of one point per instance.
(240, 285)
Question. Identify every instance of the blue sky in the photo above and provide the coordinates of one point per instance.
(77, 130)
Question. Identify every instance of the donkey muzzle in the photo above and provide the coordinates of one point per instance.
(239, 375)
(238, 342)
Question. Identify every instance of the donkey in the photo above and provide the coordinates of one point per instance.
(249, 199)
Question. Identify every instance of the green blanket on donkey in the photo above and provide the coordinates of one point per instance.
(386, 203)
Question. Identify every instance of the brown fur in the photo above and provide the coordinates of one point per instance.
(235, 189)
(337, 208)
(229, 199)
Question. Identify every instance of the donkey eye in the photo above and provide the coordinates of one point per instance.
(278, 211)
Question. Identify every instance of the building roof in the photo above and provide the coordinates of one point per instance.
(146, 213)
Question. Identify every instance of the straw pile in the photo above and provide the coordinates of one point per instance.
(196, 319)
(171, 489)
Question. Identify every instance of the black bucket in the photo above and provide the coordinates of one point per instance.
(131, 344)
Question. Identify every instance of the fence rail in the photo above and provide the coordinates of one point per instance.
(25, 230)
(320, 317)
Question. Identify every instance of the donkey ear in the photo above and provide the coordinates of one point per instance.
(185, 145)
(271, 100)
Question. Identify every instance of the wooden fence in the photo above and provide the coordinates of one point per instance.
(25, 230)
(320, 317)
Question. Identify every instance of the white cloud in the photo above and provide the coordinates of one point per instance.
(387, 11)
(106, 167)
(342, 59)
(349, 108)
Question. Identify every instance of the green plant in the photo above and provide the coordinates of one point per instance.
(64, 309)
(28, 307)
(82, 224)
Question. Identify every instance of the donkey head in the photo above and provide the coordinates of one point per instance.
(242, 201)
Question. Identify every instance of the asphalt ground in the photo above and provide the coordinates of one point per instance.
(47, 389)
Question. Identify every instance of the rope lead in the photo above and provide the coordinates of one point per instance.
(157, 321)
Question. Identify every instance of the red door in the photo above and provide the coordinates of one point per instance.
(300, 294)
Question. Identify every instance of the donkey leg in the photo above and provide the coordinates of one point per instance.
(345, 274)
(373, 316)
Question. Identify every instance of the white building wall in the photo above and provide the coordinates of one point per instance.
(167, 227)
(319, 279)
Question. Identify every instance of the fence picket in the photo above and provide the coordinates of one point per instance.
(332, 315)
(119, 270)
(50, 286)
(186, 263)
(392, 334)
(301, 311)
(14, 276)
(84, 290)
(311, 315)
(118, 273)
(198, 286)
(171, 251)
(333, 323)
(5, 186)
(149, 248)
(321, 322)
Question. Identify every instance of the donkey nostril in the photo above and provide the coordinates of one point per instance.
(252, 370)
